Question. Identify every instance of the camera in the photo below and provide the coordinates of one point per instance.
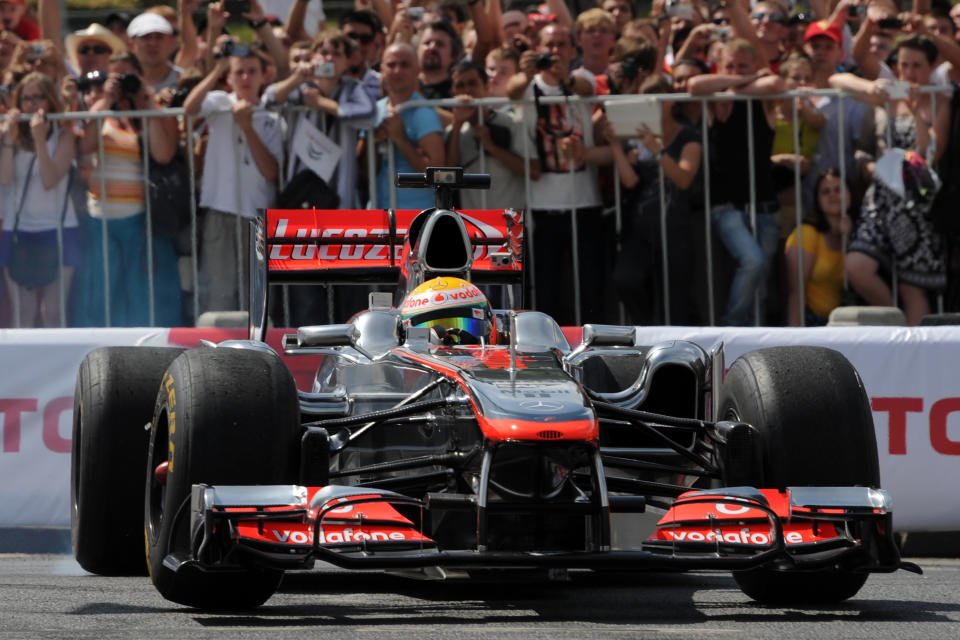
(630, 67)
(416, 13)
(856, 11)
(677, 10)
(37, 51)
(237, 7)
(721, 33)
(130, 83)
(544, 61)
(890, 23)
(324, 70)
(90, 80)
(233, 48)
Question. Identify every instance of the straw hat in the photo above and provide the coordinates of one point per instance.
(93, 32)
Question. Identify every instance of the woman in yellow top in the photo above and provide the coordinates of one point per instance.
(822, 255)
(797, 73)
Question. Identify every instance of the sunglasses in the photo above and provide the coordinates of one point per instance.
(771, 16)
(32, 99)
(721, 21)
(362, 38)
(99, 49)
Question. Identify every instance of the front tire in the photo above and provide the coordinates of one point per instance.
(113, 402)
(814, 419)
(223, 416)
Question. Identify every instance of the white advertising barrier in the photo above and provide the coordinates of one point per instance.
(911, 376)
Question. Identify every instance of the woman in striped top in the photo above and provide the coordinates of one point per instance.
(115, 269)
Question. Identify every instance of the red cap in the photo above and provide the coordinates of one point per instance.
(823, 28)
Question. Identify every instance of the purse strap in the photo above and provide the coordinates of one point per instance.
(23, 193)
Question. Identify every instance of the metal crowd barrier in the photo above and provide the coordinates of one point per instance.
(371, 161)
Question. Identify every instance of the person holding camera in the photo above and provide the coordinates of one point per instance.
(239, 170)
(340, 108)
(499, 137)
(562, 136)
(117, 206)
(40, 244)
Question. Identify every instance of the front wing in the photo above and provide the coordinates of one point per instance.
(290, 527)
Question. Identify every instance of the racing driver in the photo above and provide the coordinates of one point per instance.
(455, 309)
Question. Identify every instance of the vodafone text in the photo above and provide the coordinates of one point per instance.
(333, 537)
(743, 536)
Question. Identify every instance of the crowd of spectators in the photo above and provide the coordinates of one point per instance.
(75, 248)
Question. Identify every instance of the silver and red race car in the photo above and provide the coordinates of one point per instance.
(527, 452)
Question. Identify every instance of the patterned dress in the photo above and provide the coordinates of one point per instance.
(898, 231)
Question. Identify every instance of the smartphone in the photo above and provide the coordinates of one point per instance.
(324, 70)
(416, 13)
(856, 11)
(682, 11)
(898, 90)
(890, 23)
(37, 51)
(237, 7)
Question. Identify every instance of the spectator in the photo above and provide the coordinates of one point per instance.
(514, 24)
(341, 100)
(797, 74)
(117, 22)
(39, 55)
(562, 135)
(120, 207)
(677, 152)
(366, 29)
(152, 41)
(683, 71)
(501, 65)
(239, 172)
(416, 134)
(35, 161)
(12, 14)
(90, 49)
(823, 44)
(822, 248)
(730, 186)
(438, 48)
(895, 230)
(595, 34)
(633, 61)
(500, 137)
(622, 12)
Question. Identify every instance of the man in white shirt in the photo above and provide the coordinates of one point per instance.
(562, 137)
(239, 173)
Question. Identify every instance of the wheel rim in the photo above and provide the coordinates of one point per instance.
(157, 491)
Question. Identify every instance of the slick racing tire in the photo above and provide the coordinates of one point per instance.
(112, 406)
(223, 416)
(813, 416)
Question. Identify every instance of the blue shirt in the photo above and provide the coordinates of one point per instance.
(417, 122)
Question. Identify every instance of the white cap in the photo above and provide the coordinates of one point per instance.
(146, 23)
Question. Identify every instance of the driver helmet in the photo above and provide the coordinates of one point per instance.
(454, 307)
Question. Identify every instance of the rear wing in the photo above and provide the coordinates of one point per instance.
(360, 246)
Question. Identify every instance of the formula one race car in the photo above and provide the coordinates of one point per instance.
(443, 435)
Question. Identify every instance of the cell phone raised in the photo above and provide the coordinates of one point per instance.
(237, 7)
(890, 23)
(898, 90)
(324, 70)
(416, 13)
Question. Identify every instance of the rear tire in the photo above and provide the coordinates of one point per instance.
(813, 415)
(223, 416)
(113, 402)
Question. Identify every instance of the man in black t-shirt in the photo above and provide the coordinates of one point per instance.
(730, 187)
